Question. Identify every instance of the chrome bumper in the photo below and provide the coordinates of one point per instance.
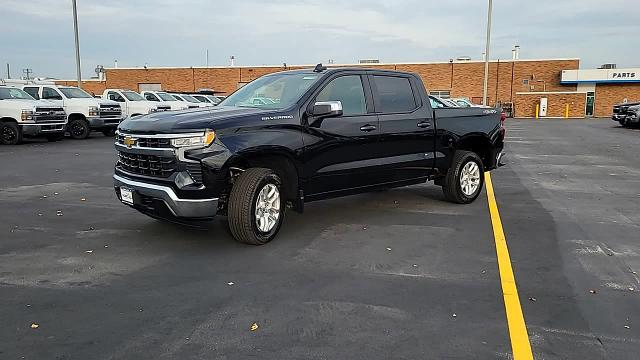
(182, 208)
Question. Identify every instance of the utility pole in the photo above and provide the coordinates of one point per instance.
(486, 55)
(207, 56)
(8, 72)
(27, 73)
(75, 29)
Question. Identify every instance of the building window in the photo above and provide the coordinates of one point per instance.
(525, 82)
(445, 94)
(149, 87)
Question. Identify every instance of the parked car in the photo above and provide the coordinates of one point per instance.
(164, 98)
(620, 112)
(633, 116)
(333, 132)
(190, 100)
(437, 102)
(450, 102)
(132, 103)
(85, 113)
(23, 116)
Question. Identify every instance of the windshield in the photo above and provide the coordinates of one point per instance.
(13, 93)
(74, 93)
(132, 96)
(201, 98)
(190, 98)
(277, 91)
(165, 96)
(214, 99)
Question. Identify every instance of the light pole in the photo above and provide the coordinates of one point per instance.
(75, 29)
(486, 55)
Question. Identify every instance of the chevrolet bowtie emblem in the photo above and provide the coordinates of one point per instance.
(129, 141)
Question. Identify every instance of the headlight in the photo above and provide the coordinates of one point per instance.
(93, 111)
(27, 115)
(204, 140)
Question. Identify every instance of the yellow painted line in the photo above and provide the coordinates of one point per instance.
(520, 345)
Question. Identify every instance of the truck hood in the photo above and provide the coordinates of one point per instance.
(88, 102)
(28, 104)
(193, 119)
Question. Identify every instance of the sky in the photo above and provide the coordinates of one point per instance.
(38, 34)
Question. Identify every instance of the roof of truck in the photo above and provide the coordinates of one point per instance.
(331, 70)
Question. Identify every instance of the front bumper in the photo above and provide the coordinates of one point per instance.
(617, 117)
(42, 129)
(161, 201)
(101, 122)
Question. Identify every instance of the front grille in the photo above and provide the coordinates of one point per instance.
(49, 114)
(147, 165)
(110, 111)
(147, 142)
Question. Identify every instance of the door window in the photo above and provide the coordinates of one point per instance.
(395, 94)
(348, 90)
(51, 94)
(114, 96)
(33, 91)
(150, 97)
(591, 97)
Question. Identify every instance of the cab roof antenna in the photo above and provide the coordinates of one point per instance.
(319, 68)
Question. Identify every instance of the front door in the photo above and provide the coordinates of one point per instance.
(52, 95)
(341, 151)
(591, 99)
(407, 129)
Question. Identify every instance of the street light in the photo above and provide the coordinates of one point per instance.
(486, 55)
(75, 29)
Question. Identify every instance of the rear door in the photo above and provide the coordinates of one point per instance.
(341, 152)
(407, 128)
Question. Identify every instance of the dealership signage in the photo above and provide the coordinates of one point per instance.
(601, 76)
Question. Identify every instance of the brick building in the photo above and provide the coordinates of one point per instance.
(520, 82)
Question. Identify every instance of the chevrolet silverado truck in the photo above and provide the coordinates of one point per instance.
(331, 132)
(632, 118)
(132, 103)
(23, 116)
(620, 112)
(85, 113)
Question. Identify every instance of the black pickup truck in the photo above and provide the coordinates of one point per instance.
(621, 112)
(297, 136)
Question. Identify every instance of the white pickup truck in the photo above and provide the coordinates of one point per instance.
(190, 100)
(85, 113)
(166, 99)
(23, 116)
(132, 103)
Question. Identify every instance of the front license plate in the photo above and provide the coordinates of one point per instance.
(126, 195)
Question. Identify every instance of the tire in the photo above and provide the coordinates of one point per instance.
(454, 191)
(10, 133)
(623, 122)
(243, 201)
(55, 137)
(111, 132)
(79, 129)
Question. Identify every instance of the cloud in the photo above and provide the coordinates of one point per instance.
(176, 33)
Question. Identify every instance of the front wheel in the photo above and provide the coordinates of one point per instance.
(256, 207)
(10, 133)
(464, 179)
(623, 122)
(79, 129)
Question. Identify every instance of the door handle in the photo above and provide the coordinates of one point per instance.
(367, 127)
(424, 124)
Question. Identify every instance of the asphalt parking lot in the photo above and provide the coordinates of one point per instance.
(399, 274)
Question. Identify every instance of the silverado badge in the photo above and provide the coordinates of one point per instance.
(129, 141)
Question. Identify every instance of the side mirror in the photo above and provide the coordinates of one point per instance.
(325, 109)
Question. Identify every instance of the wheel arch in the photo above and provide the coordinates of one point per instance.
(8, 119)
(479, 144)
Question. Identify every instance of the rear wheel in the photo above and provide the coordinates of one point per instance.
(256, 206)
(10, 133)
(79, 128)
(464, 179)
